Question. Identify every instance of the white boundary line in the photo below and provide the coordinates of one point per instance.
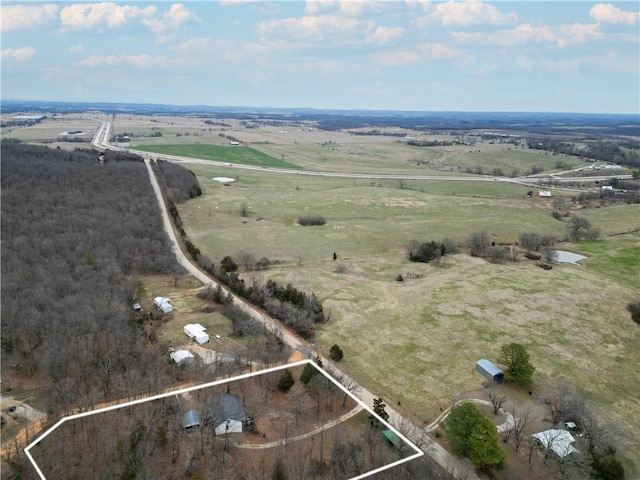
(417, 453)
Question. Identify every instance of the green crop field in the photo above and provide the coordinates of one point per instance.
(230, 154)
(416, 343)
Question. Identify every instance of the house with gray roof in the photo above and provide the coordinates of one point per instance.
(227, 414)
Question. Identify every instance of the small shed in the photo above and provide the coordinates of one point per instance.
(197, 332)
(182, 356)
(190, 420)
(544, 194)
(392, 438)
(163, 304)
(489, 370)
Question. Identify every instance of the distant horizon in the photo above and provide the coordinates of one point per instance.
(318, 109)
(343, 55)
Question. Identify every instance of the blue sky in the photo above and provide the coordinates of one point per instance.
(540, 56)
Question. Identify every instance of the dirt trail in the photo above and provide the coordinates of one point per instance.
(313, 432)
(20, 418)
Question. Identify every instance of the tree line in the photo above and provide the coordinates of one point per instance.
(297, 310)
(603, 150)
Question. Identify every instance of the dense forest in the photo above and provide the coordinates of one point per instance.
(77, 228)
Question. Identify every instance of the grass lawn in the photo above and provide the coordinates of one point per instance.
(416, 343)
(230, 154)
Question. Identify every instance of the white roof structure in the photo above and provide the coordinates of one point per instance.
(182, 356)
(558, 441)
(163, 303)
(224, 179)
(197, 331)
(544, 193)
(191, 419)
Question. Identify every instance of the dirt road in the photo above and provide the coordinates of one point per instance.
(416, 434)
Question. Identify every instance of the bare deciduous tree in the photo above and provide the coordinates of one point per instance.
(521, 418)
(478, 242)
(496, 399)
(561, 205)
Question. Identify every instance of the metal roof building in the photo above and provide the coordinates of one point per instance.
(191, 419)
(558, 441)
(489, 370)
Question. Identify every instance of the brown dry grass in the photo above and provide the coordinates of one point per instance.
(416, 343)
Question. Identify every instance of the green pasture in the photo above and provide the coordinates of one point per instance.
(381, 157)
(416, 343)
(363, 217)
(616, 257)
(230, 154)
(505, 157)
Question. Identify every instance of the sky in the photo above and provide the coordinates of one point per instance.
(417, 55)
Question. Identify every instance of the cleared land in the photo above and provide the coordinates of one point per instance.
(231, 154)
(416, 343)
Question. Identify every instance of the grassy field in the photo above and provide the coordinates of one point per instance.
(416, 343)
(228, 154)
(49, 130)
(336, 151)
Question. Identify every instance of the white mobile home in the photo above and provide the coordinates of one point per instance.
(197, 332)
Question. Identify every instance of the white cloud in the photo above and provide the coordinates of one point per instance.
(398, 58)
(92, 15)
(22, 53)
(384, 35)
(347, 7)
(525, 33)
(319, 27)
(425, 5)
(138, 61)
(232, 3)
(471, 12)
(194, 46)
(607, 13)
(436, 50)
(14, 17)
(176, 17)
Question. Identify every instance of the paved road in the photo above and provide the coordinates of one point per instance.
(101, 141)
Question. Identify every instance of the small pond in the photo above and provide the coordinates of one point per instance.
(569, 257)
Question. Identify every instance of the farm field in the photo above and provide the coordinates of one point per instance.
(50, 130)
(337, 151)
(235, 154)
(416, 343)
